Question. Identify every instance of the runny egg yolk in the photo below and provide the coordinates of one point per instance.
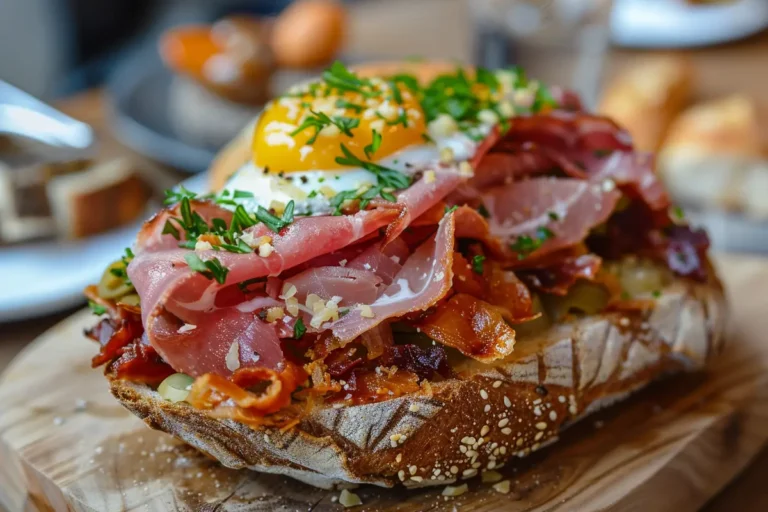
(277, 146)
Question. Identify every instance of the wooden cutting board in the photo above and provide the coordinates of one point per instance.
(65, 444)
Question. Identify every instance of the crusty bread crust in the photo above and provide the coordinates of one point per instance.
(238, 152)
(469, 424)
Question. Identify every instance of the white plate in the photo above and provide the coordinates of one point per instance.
(675, 23)
(42, 278)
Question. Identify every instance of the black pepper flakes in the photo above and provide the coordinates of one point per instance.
(542, 391)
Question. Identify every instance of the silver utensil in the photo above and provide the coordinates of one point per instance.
(25, 116)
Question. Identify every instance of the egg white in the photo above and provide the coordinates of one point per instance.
(269, 188)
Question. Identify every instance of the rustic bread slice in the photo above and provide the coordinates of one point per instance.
(469, 424)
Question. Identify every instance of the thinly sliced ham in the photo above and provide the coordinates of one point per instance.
(579, 144)
(173, 295)
(385, 261)
(421, 196)
(151, 236)
(633, 172)
(567, 208)
(424, 279)
(351, 284)
(558, 278)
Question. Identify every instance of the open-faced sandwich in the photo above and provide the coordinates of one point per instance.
(406, 274)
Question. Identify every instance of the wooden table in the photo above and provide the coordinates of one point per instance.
(439, 29)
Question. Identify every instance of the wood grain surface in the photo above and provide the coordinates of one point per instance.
(65, 444)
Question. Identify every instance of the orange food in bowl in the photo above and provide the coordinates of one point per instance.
(309, 33)
(230, 57)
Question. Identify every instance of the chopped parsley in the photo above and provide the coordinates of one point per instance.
(387, 177)
(319, 120)
(524, 245)
(656, 294)
(342, 103)
(553, 215)
(299, 329)
(477, 263)
(97, 309)
(374, 146)
(451, 209)
(121, 272)
(211, 269)
(456, 95)
(229, 197)
(273, 222)
(176, 195)
(340, 78)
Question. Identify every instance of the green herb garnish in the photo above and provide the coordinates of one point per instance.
(342, 103)
(273, 222)
(374, 146)
(174, 196)
(319, 120)
(526, 244)
(210, 269)
(387, 178)
(340, 78)
(97, 309)
(477, 263)
(299, 329)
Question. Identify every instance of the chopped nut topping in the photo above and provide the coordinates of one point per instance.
(233, 357)
(203, 246)
(289, 290)
(366, 311)
(265, 250)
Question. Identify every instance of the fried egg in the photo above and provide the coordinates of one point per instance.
(298, 155)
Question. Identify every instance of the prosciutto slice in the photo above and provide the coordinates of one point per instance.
(424, 279)
(580, 145)
(421, 196)
(173, 296)
(568, 208)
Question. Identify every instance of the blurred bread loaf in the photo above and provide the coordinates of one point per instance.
(647, 96)
(308, 33)
(714, 157)
(72, 199)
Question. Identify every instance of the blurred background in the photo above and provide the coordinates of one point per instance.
(146, 92)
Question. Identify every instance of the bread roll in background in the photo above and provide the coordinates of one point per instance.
(309, 33)
(714, 157)
(647, 96)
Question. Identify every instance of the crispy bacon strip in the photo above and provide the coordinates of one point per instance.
(140, 363)
(210, 390)
(472, 326)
